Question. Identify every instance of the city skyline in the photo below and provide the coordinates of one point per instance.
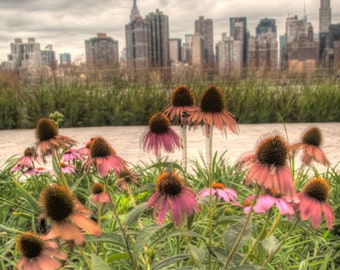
(66, 25)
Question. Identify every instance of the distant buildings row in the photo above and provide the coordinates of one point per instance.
(148, 47)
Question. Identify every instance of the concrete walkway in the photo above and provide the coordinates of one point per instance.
(126, 140)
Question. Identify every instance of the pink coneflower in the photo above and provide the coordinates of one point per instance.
(221, 192)
(98, 194)
(104, 158)
(310, 144)
(182, 102)
(212, 112)
(268, 165)
(85, 151)
(48, 138)
(37, 253)
(160, 135)
(67, 214)
(171, 194)
(125, 178)
(314, 201)
(71, 155)
(67, 168)
(26, 162)
(266, 201)
(39, 171)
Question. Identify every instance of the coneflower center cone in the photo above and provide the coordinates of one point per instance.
(212, 100)
(29, 152)
(97, 188)
(218, 185)
(99, 147)
(169, 184)
(317, 188)
(57, 202)
(159, 123)
(46, 129)
(30, 245)
(182, 96)
(272, 151)
(312, 136)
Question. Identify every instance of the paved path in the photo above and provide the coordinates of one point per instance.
(126, 140)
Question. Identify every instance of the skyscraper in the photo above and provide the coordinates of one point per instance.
(48, 56)
(238, 30)
(102, 53)
(325, 16)
(206, 29)
(266, 25)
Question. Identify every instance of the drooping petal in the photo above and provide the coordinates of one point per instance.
(86, 224)
(329, 215)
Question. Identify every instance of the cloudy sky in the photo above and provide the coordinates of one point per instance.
(67, 23)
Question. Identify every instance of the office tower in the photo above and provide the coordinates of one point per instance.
(102, 53)
(134, 14)
(266, 25)
(48, 56)
(282, 42)
(64, 58)
(228, 56)
(334, 41)
(198, 50)
(175, 50)
(302, 51)
(324, 16)
(238, 31)
(205, 28)
(159, 50)
(25, 56)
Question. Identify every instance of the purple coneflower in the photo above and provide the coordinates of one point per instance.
(310, 144)
(71, 154)
(104, 158)
(266, 201)
(182, 103)
(268, 166)
(220, 191)
(26, 162)
(85, 151)
(171, 194)
(37, 253)
(48, 138)
(67, 168)
(126, 177)
(314, 201)
(67, 214)
(160, 135)
(39, 171)
(98, 194)
(212, 112)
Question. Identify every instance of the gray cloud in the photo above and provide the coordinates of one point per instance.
(66, 24)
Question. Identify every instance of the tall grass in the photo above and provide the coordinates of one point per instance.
(123, 102)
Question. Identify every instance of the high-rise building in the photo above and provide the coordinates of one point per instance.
(334, 41)
(48, 56)
(102, 53)
(159, 50)
(325, 14)
(266, 25)
(206, 29)
(175, 50)
(238, 31)
(64, 58)
(198, 50)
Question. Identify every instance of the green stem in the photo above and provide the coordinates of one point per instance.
(121, 226)
(183, 130)
(275, 223)
(271, 255)
(259, 237)
(245, 225)
(86, 259)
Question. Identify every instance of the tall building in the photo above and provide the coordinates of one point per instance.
(238, 31)
(147, 40)
(187, 49)
(266, 25)
(334, 41)
(48, 56)
(325, 14)
(102, 53)
(302, 51)
(198, 50)
(206, 29)
(175, 50)
(64, 58)
(159, 50)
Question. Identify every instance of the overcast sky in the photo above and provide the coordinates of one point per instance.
(66, 24)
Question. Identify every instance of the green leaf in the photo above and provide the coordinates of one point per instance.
(197, 254)
(243, 267)
(232, 233)
(134, 214)
(98, 263)
(32, 201)
(270, 244)
(118, 256)
(144, 235)
(170, 261)
(108, 237)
